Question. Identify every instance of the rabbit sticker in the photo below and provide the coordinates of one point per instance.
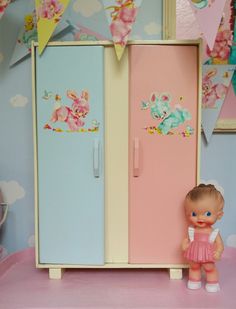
(212, 91)
(168, 119)
(159, 105)
(73, 115)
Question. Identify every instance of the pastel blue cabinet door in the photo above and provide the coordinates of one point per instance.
(70, 142)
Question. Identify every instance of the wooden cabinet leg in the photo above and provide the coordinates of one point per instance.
(176, 273)
(55, 273)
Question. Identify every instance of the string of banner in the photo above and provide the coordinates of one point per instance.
(45, 20)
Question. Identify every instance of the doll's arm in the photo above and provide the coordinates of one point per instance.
(185, 244)
(219, 247)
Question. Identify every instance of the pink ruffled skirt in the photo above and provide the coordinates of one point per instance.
(200, 252)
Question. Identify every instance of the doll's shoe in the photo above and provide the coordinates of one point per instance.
(194, 285)
(212, 287)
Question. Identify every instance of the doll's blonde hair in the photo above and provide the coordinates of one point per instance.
(203, 190)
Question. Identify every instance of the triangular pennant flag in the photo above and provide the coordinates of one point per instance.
(234, 82)
(121, 15)
(27, 34)
(49, 13)
(215, 84)
(208, 14)
(232, 58)
(3, 6)
(82, 33)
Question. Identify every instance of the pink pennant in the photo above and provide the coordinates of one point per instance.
(121, 15)
(208, 14)
(3, 6)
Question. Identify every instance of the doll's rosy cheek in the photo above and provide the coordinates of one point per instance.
(192, 218)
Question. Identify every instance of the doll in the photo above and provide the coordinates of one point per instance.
(203, 246)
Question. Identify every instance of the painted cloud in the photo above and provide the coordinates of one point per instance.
(87, 8)
(31, 241)
(215, 183)
(152, 28)
(231, 240)
(19, 101)
(11, 191)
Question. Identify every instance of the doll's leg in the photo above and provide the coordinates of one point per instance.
(195, 272)
(194, 281)
(211, 277)
(211, 272)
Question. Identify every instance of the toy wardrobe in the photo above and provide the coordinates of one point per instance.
(116, 150)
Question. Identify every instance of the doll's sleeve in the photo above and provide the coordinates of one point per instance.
(213, 235)
(191, 233)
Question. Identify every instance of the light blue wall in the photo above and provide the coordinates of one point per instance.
(218, 163)
(16, 148)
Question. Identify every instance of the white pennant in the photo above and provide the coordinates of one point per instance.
(208, 14)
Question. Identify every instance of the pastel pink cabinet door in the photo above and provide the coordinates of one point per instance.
(162, 148)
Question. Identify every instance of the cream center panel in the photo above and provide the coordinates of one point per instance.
(116, 157)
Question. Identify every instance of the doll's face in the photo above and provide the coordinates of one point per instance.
(203, 212)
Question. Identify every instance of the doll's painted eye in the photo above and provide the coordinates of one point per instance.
(208, 213)
(194, 214)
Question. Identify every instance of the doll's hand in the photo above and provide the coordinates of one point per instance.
(185, 244)
(217, 255)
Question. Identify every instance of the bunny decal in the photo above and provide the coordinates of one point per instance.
(212, 92)
(160, 109)
(174, 119)
(200, 4)
(73, 115)
(159, 105)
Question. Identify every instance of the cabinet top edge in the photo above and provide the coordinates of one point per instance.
(131, 42)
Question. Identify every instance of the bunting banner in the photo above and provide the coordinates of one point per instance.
(220, 54)
(232, 58)
(208, 14)
(215, 84)
(3, 6)
(234, 82)
(121, 16)
(27, 34)
(82, 33)
(49, 14)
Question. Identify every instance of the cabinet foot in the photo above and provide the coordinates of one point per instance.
(55, 273)
(176, 273)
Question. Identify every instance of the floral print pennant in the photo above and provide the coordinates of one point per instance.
(233, 47)
(28, 33)
(121, 15)
(49, 13)
(3, 6)
(215, 84)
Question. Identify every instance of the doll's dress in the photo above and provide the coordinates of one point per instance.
(201, 248)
